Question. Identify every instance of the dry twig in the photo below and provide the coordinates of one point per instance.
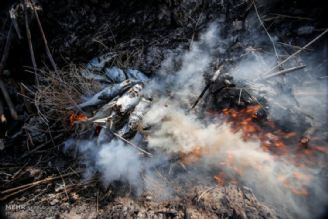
(6, 49)
(42, 145)
(8, 100)
(280, 72)
(30, 45)
(213, 79)
(133, 145)
(13, 191)
(297, 52)
(43, 37)
(12, 13)
(265, 29)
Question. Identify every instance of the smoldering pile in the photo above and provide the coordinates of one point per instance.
(206, 117)
(122, 115)
(118, 108)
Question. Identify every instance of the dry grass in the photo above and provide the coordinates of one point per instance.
(58, 91)
(65, 88)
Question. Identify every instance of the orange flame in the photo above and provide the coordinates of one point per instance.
(220, 179)
(77, 117)
(296, 183)
(191, 157)
(275, 141)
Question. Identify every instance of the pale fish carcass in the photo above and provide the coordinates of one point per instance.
(108, 93)
(129, 100)
(135, 119)
(137, 75)
(119, 106)
(115, 74)
(88, 74)
(99, 62)
(104, 114)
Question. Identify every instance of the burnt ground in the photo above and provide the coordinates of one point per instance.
(142, 34)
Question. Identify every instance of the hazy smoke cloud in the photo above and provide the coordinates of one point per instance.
(119, 162)
(295, 92)
(182, 71)
(175, 130)
(273, 178)
(224, 150)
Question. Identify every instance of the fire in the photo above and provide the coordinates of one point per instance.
(77, 117)
(296, 183)
(220, 179)
(274, 141)
(191, 157)
(247, 122)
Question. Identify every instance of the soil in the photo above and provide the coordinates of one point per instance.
(142, 34)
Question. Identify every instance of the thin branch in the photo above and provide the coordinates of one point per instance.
(265, 29)
(213, 79)
(133, 145)
(8, 100)
(13, 191)
(298, 51)
(2, 115)
(30, 45)
(42, 145)
(280, 72)
(6, 49)
(43, 37)
(12, 13)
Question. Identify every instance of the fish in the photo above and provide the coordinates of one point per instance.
(115, 74)
(130, 129)
(137, 75)
(119, 106)
(104, 114)
(108, 93)
(129, 100)
(88, 74)
(99, 62)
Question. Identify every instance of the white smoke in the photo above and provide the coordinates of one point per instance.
(298, 91)
(272, 178)
(222, 149)
(117, 161)
(181, 82)
(175, 130)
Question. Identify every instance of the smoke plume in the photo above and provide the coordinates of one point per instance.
(176, 130)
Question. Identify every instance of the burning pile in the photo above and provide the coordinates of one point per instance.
(240, 144)
(218, 123)
(119, 107)
(236, 142)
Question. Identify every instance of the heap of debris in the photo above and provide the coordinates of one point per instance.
(106, 99)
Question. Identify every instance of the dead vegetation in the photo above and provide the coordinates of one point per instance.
(59, 90)
(46, 171)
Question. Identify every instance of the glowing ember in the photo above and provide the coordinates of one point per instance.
(219, 179)
(273, 140)
(191, 157)
(296, 183)
(304, 141)
(77, 117)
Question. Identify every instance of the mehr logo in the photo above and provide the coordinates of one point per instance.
(13, 207)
